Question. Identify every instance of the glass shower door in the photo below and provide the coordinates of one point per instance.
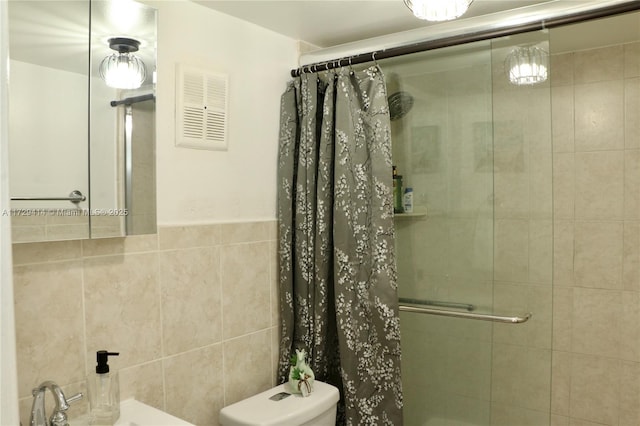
(478, 240)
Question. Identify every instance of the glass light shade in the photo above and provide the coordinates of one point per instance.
(527, 65)
(123, 71)
(438, 10)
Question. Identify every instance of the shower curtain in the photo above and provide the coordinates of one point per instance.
(338, 292)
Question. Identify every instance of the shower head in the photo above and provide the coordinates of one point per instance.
(400, 103)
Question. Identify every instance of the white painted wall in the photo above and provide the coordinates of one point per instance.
(8, 366)
(197, 186)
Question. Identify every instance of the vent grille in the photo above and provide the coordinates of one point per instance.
(201, 104)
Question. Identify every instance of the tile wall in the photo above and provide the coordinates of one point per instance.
(192, 311)
(596, 299)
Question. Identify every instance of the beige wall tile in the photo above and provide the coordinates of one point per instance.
(629, 313)
(562, 69)
(599, 185)
(246, 295)
(122, 301)
(49, 324)
(563, 253)
(560, 382)
(46, 252)
(564, 185)
(557, 420)
(510, 415)
(632, 184)
(246, 370)
(630, 394)
(562, 318)
(631, 256)
(275, 354)
(521, 376)
(632, 60)
(176, 237)
(595, 389)
(274, 283)
(598, 254)
(518, 300)
(193, 383)
(245, 232)
(601, 64)
(599, 114)
(191, 298)
(512, 250)
(596, 322)
(144, 383)
(110, 246)
(28, 233)
(541, 252)
(562, 111)
(632, 113)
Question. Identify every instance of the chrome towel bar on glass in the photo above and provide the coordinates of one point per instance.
(75, 196)
(467, 315)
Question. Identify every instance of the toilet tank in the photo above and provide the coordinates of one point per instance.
(277, 407)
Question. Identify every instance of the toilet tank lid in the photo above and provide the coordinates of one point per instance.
(293, 409)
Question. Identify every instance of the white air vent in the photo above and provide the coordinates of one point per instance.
(201, 108)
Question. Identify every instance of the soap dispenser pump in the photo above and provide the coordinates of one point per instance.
(104, 392)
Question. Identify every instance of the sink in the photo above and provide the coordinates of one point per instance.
(136, 413)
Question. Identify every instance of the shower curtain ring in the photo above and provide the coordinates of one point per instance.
(350, 68)
(373, 56)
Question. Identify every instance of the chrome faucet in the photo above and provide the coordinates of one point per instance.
(59, 416)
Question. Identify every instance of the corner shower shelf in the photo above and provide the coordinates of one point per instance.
(417, 212)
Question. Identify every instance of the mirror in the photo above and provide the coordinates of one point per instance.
(82, 153)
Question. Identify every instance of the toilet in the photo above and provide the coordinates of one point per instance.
(278, 407)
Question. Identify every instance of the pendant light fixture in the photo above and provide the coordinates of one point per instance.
(438, 10)
(123, 70)
(527, 65)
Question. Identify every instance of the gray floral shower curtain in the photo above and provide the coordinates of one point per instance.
(338, 292)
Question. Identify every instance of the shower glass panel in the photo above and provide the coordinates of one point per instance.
(476, 150)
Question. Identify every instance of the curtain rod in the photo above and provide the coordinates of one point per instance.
(468, 38)
(134, 100)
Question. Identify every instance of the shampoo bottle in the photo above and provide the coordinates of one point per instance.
(104, 392)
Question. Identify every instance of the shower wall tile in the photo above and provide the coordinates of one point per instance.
(562, 318)
(632, 184)
(599, 116)
(516, 299)
(596, 65)
(632, 60)
(631, 256)
(562, 69)
(595, 389)
(509, 415)
(521, 376)
(557, 420)
(560, 382)
(596, 322)
(632, 113)
(599, 185)
(541, 252)
(564, 185)
(598, 254)
(629, 409)
(157, 299)
(511, 250)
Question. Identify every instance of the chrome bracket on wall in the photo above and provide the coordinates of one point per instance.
(467, 315)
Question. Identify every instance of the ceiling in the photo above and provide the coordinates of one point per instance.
(326, 23)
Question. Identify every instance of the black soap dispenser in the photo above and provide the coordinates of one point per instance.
(104, 392)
